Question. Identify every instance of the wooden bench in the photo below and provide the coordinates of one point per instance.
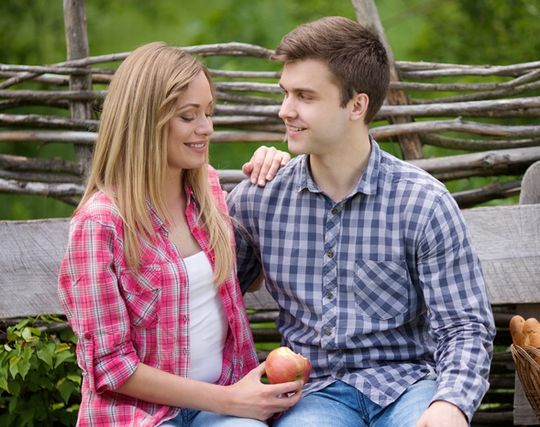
(507, 239)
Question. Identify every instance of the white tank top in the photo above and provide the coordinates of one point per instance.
(207, 321)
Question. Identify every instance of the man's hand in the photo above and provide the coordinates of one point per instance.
(264, 164)
(442, 414)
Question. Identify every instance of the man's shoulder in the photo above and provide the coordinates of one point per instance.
(408, 175)
(286, 177)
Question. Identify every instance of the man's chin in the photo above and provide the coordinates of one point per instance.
(295, 147)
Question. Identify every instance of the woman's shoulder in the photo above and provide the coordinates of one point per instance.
(99, 207)
(213, 177)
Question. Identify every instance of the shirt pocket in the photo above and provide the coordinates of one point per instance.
(142, 292)
(382, 288)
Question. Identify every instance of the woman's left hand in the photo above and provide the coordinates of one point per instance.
(264, 164)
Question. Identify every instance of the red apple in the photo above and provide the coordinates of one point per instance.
(284, 365)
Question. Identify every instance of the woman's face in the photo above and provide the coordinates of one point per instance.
(191, 126)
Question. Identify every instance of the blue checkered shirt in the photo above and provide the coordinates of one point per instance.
(378, 290)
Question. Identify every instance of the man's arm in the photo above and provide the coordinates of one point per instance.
(248, 260)
(458, 308)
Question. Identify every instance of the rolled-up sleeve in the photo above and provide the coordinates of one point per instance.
(90, 294)
(459, 310)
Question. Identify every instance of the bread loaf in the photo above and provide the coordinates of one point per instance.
(516, 330)
(531, 330)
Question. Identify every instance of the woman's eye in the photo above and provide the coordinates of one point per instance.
(187, 118)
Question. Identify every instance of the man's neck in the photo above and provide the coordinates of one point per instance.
(337, 173)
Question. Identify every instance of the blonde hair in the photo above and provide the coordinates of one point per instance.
(130, 156)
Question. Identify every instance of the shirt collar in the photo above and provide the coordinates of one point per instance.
(367, 184)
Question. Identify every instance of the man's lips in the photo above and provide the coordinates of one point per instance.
(293, 128)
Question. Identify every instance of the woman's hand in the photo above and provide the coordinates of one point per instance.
(250, 398)
(264, 164)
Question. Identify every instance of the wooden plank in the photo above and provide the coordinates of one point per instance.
(30, 256)
(507, 239)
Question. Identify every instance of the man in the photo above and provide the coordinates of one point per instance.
(367, 256)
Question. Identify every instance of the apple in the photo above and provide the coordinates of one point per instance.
(284, 365)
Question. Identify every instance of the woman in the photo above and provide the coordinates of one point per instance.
(148, 280)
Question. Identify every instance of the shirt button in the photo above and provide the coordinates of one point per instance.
(330, 253)
(329, 295)
(87, 336)
(334, 211)
(328, 331)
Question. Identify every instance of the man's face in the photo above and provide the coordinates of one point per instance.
(311, 108)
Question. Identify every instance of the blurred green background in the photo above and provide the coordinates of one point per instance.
(494, 32)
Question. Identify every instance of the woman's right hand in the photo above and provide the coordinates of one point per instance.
(250, 398)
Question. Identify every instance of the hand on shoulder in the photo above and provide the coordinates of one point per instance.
(264, 164)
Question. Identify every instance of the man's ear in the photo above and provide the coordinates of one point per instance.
(360, 103)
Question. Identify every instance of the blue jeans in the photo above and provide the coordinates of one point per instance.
(341, 405)
(194, 418)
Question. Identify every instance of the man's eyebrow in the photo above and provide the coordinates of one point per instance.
(299, 89)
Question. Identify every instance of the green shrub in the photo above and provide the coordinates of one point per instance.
(39, 377)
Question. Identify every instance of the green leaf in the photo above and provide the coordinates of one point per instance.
(66, 388)
(26, 334)
(46, 355)
(25, 362)
(24, 367)
(4, 383)
(63, 357)
(76, 378)
(67, 335)
(62, 347)
(35, 331)
(14, 365)
(22, 324)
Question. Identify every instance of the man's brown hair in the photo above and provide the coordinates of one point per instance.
(355, 56)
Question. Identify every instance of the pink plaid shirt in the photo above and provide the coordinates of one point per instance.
(122, 317)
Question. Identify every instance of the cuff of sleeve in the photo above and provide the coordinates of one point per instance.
(109, 368)
(455, 399)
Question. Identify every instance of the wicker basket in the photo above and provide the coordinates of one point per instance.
(528, 371)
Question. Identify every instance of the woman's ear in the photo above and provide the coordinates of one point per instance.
(360, 103)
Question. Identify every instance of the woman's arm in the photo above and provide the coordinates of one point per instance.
(248, 398)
